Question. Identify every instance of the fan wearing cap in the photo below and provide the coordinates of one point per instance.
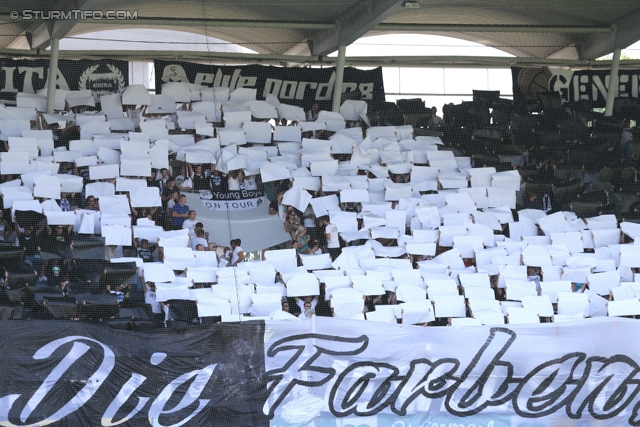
(55, 278)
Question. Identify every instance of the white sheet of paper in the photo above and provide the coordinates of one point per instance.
(324, 167)
(47, 187)
(130, 185)
(210, 308)
(630, 255)
(151, 233)
(15, 162)
(302, 285)
(60, 218)
(367, 285)
(263, 304)
(605, 237)
(629, 307)
(297, 197)
(179, 258)
(316, 262)
(116, 235)
(202, 274)
(498, 197)
(145, 197)
(509, 180)
(158, 272)
(103, 172)
(114, 204)
(100, 189)
(135, 165)
(274, 172)
(324, 205)
(12, 194)
(283, 260)
(452, 306)
(416, 312)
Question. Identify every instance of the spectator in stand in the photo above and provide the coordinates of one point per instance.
(333, 240)
(218, 181)
(167, 191)
(277, 208)
(6, 231)
(250, 182)
(292, 223)
(435, 119)
(312, 114)
(224, 260)
(164, 179)
(306, 246)
(285, 306)
(30, 242)
(151, 180)
(199, 177)
(199, 240)
(190, 222)
(92, 204)
(238, 254)
(180, 213)
(271, 190)
(146, 251)
(56, 280)
(150, 298)
(233, 181)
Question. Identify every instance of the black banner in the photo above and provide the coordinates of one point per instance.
(591, 85)
(78, 374)
(295, 86)
(101, 77)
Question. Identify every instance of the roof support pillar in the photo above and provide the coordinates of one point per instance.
(337, 90)
(613, 83)
(53, 75)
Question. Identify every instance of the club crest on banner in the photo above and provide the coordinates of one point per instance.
(102, 83)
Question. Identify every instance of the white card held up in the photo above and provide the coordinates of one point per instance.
(450, 306)
(47, 187)
(14, 163)
(145, 197)
(416, 312)
(283, 260)
(135, 165)
(499, 197)
(274, 172)
(103, 172)
(316, 262)
(202, 274)
(509, 180)
(367, 285)
(100, 189)
(116, 235)
(60, 218)
(214, 307)
(130, 185)
(13, 194)
(114, 204)
(179, 258)
(301, 285)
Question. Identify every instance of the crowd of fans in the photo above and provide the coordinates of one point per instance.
(568, 160)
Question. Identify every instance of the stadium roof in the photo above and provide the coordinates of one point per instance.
(570, 29)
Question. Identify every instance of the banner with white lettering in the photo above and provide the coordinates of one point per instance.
(592, 85)
(101, 77)
(324, 372)
(296, 86)
(232, 200)
(78, 374)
